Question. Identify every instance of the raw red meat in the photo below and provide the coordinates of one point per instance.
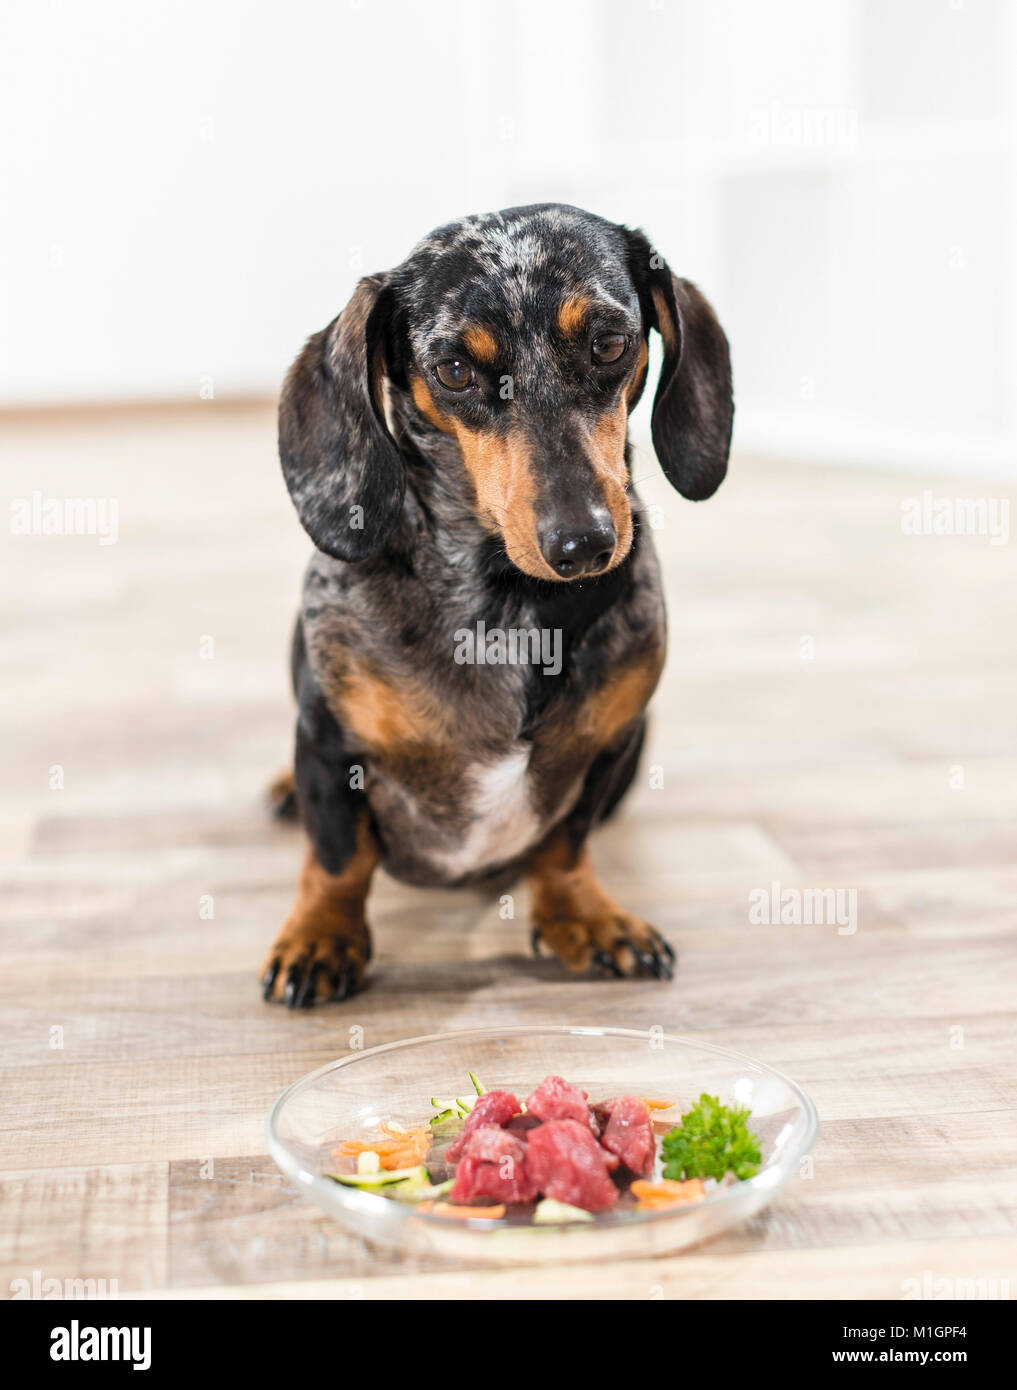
(491, 1182)
(555, 1099)
(565, 1162)
(522, 1124)
(552, 1150)
(628, 1133)
(495, 1108)
(490, 1144)
(611, 1161)
(601, 1113)
(493, 1166)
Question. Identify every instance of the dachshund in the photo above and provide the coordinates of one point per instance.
(482, 622)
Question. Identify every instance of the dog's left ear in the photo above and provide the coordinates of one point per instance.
(693, 409)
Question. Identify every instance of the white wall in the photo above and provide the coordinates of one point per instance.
(194, 187)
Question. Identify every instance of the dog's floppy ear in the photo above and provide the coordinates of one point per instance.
(693, 409)
(340, 462)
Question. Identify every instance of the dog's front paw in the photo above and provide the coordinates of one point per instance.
(612, 942)
(309, 967)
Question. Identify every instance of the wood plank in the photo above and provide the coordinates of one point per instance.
(104, 1223)
(975, 1267)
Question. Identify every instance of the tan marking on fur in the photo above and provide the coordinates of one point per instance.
(428, 407)
(390, 720)
(327, 922)
(480, 343)
(621, 699)
(636, 384)
(573, 314)
(574, 915)
(502, 473)
(572, 735)
(665, 321)
(501, 470)
(606, 446)
(282, 786)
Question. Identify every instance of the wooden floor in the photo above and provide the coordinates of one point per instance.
(839, 710)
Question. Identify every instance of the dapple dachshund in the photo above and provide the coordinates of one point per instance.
(456, 446)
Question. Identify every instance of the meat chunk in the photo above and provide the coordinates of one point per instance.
(561, 1147)
(495, 1108)
(611, 1160)
(555, 1099)
(522, 1124)
(493, 1166)
(490, 1145)
(601, 1113)
(565, 1162)
(628, 1133)
(492, 1182)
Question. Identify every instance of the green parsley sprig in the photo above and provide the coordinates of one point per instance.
(712, 1140)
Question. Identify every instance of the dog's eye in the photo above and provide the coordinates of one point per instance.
(454, 373)
(609, 348)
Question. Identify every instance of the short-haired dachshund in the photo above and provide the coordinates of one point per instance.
(482, 622)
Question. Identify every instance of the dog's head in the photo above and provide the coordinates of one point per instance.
(521, 336)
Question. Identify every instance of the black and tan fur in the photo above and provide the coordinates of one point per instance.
(432, 508)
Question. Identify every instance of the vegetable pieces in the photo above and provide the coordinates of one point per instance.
(548, 1212)
(400, 1148)
(711, 1141)
(653, 1195)
(460, 1107)
(373, 1182)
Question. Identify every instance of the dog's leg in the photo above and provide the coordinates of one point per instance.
(583, 925)
(571, 912)
(324, 946)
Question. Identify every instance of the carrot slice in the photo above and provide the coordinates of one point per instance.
(667, 1192)
(657, 1104)
(460, 1213)
(402, 1149)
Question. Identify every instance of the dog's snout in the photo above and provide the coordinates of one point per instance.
(576, 545)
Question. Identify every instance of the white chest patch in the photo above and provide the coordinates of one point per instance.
(503, 822)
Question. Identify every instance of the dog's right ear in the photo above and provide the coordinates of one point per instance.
(339, 460)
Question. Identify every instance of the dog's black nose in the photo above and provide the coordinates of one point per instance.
(571, 551)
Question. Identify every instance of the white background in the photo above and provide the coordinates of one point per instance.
(194, 187)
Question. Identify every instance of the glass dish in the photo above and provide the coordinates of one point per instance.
(348, 1099)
